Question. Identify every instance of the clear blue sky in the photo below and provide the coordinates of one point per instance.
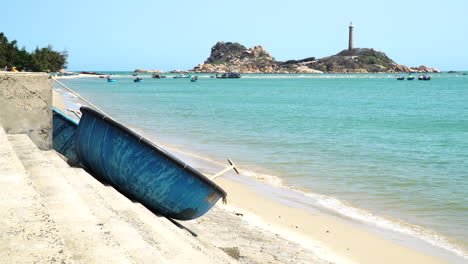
(167, 35)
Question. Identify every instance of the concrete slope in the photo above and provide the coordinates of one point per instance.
(28, 234)
(143, 234)
(87, 240)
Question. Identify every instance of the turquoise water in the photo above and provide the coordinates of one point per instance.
(396, 149)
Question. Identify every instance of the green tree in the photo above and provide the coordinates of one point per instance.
(8, 51)
(48, 60)
(23, 60)
(42, 60)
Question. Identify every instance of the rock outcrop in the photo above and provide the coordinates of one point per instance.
(424, 69)
(234, 57)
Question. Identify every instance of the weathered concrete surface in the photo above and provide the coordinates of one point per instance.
(87, 241)
(28, 234)
(26, 106)
(94, 222)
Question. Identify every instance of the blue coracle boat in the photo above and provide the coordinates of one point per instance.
(142, 170)
(63, 135)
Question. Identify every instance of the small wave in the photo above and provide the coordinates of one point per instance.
(263, 177)
(70, 95)
(394, 225)
(270, 179)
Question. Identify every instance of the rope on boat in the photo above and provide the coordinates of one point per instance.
(79, 96)
(232, 165)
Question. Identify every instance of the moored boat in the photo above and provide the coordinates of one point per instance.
(410, 77)
(138, 80)
(424, 77)
(142, 170)
(109, 79)
(194, 79)
(231, 75)
(63, 135)
(400, 77)
(181, 76)
(158, 76)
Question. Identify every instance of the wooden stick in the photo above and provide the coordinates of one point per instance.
(233, 166)
(77, 113)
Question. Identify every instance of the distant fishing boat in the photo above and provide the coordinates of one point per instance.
(194, 79)
(231, 75)
(63, 135)
(141, 169)
(180, 76)
(158, 76)
(410, 77)
(138, 80)
(424, 77)
(109, 79)
(400, 77)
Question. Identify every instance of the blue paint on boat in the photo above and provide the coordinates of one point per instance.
(142, 170)
(63, 135)
(111, 80)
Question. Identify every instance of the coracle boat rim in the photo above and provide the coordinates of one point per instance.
(153, 147)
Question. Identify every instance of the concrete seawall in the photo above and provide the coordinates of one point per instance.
(26, 106)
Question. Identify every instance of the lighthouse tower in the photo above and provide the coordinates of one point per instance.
(351, 37)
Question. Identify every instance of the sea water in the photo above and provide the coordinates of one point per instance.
(368, 147)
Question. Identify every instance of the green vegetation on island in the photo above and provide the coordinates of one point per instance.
(40, 60)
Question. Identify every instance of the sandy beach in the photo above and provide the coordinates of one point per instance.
(58, 101)
(328, 238)
(261, 230)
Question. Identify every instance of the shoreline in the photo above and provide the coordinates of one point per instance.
(249, 76)
(343, 243)
(282, 210)
(329, 238)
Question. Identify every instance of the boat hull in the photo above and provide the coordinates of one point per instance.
(142, 170)
(424, 78)
(63, 135)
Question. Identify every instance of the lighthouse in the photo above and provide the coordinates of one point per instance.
(351, 36)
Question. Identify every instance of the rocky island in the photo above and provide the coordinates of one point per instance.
(234, 57)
